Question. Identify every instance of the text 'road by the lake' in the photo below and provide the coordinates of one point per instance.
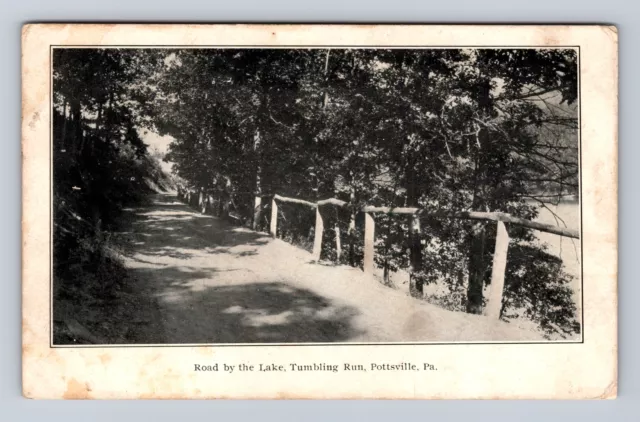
(314, 367)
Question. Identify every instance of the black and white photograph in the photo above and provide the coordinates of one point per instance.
(311, 195)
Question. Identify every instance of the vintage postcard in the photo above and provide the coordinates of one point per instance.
(319, 211)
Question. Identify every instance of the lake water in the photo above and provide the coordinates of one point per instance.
(566, 248)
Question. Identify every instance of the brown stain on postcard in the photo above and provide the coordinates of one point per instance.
(76, 390)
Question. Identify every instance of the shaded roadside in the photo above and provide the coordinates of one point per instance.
(197, 279)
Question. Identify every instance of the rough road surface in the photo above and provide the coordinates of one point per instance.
(207, 281)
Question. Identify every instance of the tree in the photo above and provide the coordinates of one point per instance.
(482, 130)
(99, 160)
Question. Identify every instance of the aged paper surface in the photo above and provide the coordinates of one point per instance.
(481, 358)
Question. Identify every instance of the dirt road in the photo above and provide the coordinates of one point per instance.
(210, 282)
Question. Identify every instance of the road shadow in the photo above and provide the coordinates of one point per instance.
(262, 312)
(169, 228)
(194, 267)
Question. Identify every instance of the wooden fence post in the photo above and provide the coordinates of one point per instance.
(273, 229)
(351, 231)
(257, 208)
(369, 237)
(494, 304)
(204, 201)
(338, 245)
(317, 241)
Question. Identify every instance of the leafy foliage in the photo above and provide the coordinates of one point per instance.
(100, 165)
(488, 130)
(440, 129)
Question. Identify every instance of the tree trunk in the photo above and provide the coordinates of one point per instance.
(258, 151)
(368, 263)
(476, 269)
(257, 202)
(226, 206)
(325, 95)
(336, 228)
(63, 139)
(476, 265)
(386, 275)
(221, 199)
(416, 283)
(76, 114)
(99, 118)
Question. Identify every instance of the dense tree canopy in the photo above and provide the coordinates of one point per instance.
(442, 129)
(483, 130)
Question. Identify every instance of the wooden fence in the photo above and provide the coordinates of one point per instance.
(494, 303)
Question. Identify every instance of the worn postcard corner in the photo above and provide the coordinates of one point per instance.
(319, 211)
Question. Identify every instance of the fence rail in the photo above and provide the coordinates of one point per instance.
(496, 293)
(468, 215)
